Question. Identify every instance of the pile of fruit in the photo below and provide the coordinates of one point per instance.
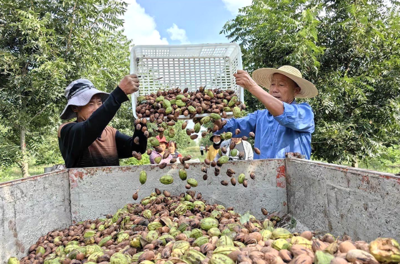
(167, 229)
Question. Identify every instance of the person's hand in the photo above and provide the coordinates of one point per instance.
(129, 84)
(243, 79)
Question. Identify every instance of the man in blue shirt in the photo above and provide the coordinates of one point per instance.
(284, 126)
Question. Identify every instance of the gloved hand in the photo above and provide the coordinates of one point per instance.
(140, 136)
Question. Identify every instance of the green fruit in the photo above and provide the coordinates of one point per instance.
(193, 256)
(225, 250)
(157, 160)
(160, 98)
(214, 232)
(119, 258)
(236, 112)
(168, 110)
(196, 233)
(188, 197)
(208, 223)
(89, 234)
(151, 236)
(227, 109)
(135, 242)
(13, 261)
(268, 225)
(182, 174)
(210, 93)
(135, 257)
(104, 240)
(147, 214)
(234, 152)
(239, 244)
(181, 209)
(140, 99)
(266, 235)
(386, 250)
(191, 109)
(200, 241)
(143, 177)
(182, 245)
(154, 226)
(228, 135)
(93, 257)
(180, 103)
(154, 142)
(216, 214)
(173, 101)
(205, 120)
(166, 179)
(221, 259)
(222, 160)
(197, 127)
(323, 257)
(298, 240)
(281, 233)
(192, 182)
(166, 103)
(215, 116)
(280, 244)
(165, 239)
(225, 241)
(233, 101)
(90, 249)
(179, 97)
(241, 178)
(199, 205)
(41, 249)
(189, 205)
(60, 251)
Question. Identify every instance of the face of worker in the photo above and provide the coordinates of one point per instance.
(236, 140)
(216, 139)
(283, 88)
(172, 148)
(84, 112)
(163, 146)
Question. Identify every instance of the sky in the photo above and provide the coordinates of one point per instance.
(154, 22)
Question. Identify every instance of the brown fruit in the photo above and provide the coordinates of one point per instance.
(285, 255)
(158, 192)
(173, 160)
(146, 134)
(232, 145)
(256, 150)
(237, 131)
(223, 149)
(135, 196)
(162, 165)
(252, 175)
(217, 171)
(205, 177)
(187, 186)
(251, 134)
(207, 162)
(346, 246)
(213, 163)
(301, 259)
(264, 211)
(245, 183)
(184, 125)
(149, 152)
(137, 155)
(225, 183)
(166, 193)
(158, 149)
(307, 234)
(138, 126)
(204, 169)
(194, 136)
(186, 166)
(244, 138)
(233, 181)
(136, 141)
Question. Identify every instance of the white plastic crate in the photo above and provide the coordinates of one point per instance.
(186, 66)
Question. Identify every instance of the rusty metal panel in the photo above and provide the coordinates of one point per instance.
(344, 200)
(96, 192)
(29, 209)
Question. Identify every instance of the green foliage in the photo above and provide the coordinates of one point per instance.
(134, 162)
(182, 140)
(349, 50)
(45, 46)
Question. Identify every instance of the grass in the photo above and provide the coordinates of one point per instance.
(14, 173)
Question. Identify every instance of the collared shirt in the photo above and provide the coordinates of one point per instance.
(275, 136)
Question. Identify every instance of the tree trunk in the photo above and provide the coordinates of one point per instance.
(24, 161)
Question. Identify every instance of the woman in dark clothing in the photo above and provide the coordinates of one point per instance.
(172, 148)
(89, 141)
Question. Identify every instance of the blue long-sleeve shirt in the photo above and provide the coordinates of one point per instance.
(289, 132)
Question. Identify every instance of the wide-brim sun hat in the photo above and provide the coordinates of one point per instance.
(263, 77)
(79, 93)
(214, 135)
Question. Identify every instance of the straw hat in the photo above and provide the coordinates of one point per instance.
(263, 78)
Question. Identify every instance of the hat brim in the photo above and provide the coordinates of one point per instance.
(212, 137)
(81, 100)
(263, 78)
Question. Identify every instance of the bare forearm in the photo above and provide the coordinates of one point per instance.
(273, 105)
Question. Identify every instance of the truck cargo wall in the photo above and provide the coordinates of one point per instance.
(29, 208)
(343, 200)
(99, 191)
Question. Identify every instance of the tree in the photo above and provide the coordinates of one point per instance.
(349, 50)
(46, 45)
